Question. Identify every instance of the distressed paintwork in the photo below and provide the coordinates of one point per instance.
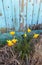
(19, 14)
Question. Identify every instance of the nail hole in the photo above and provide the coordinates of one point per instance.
(8, 6)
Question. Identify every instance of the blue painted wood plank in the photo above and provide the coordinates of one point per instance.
(12, 13)
(29, 14)
(40, 15)
(25, 21)
(2, 18)
(35, 15)
(8, 13)
(15, 12)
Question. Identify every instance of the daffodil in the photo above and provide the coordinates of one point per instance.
(12, 33)
(25, 35)
(29, 30)
(14, 41)
(36, 36)
(9, 43)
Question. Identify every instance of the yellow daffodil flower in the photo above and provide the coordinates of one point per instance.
(9, 43)
(12, 33)
(36, 36)
(25, 35)
(29, 30)
(14, 41)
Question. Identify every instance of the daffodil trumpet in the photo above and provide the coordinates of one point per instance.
(36, 36)
(9, 43)
(29, 30)
(14, 41)
(12, 33)
(25, 35)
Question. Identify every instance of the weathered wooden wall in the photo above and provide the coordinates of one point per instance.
(19, 14)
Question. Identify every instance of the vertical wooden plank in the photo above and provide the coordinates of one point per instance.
(15, 6)
(35, 14)
(19, 14)
(38, 11)
(2, 18)
(30, 12)
(8, 13)
(25, 13)
(13, 13)
(22, 6)
(40, 14)
(22, 15)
